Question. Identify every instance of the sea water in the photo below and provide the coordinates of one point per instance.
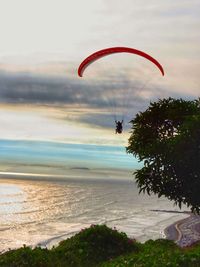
(43, 212)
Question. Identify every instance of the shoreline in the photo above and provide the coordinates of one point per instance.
(183, 227)
(185, 232)
(167, 232)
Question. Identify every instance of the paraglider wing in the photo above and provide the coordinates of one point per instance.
(104, 52)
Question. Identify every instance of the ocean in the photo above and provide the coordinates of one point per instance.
(41, 211)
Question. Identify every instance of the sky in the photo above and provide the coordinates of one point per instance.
(43, 42)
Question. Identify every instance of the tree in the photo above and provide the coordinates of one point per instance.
(166, 138)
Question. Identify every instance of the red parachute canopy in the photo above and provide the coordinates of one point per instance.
(104, 52)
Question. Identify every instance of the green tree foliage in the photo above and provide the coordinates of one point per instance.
(166, 138)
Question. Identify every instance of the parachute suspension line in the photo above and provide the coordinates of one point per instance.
(107, 100)
(112, 102)
(111, 105)
(126, 96)
(128, 91)
(115, 104)
(115, 117)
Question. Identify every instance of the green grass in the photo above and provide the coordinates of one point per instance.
(100, 246)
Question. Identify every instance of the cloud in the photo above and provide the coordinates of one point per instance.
(22, 88)
(94, 101)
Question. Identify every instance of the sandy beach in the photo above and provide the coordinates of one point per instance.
(184, 232)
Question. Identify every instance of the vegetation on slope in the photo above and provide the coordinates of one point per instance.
(100, 246)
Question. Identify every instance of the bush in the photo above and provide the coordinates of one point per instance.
(26, 257)
(94, 245)
(159, 253)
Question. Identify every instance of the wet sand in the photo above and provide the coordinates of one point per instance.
(184, 232)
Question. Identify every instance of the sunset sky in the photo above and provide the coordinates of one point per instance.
(43, 42)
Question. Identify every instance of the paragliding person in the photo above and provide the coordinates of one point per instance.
(119, 127)
(113, 50)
